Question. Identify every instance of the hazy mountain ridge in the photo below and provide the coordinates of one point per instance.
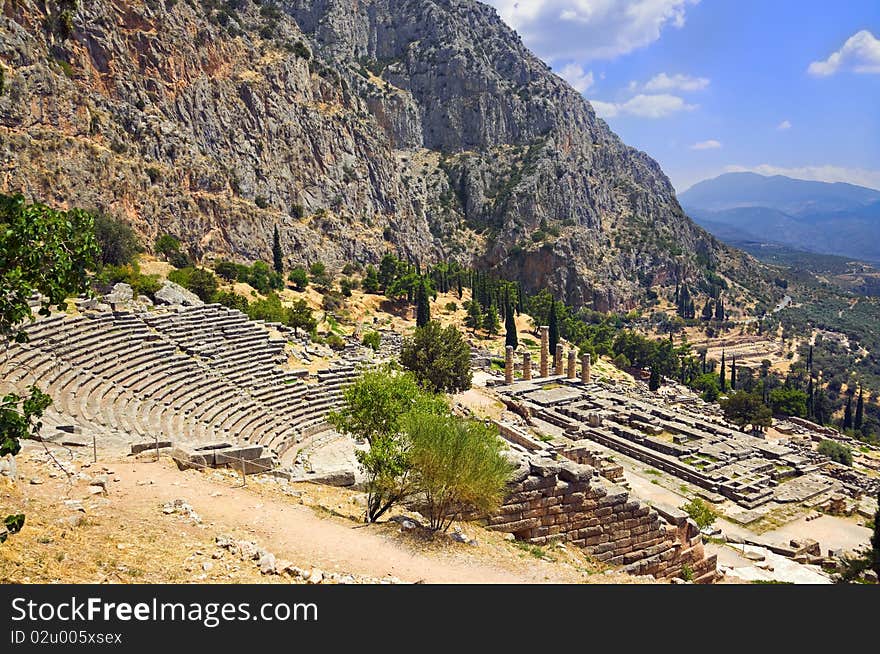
(840, 219)
(421, 126)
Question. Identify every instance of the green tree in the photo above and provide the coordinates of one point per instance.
(439, 357)
(167, 246)
(299, 278)
(510, 338)
(201, 282)
(723, 373)
(848, 414)
(743, 408)
(733, 374)
(41, 251)
(277, 254)
(232, 300)
(300, 316)
(788, 402)
(553, 323)
(226, 270)
(474, 318)
(318, 275)
(655, 379)
(491, 322)
(423, 308)
(370, 282)
(859, 420)
(372, 409)
(457, 465)
(707, 384)
(836, 452)
(117, 242)
(700, 512)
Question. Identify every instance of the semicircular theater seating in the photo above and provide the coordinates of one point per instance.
(191, 374)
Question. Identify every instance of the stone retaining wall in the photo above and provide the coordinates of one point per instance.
(560, 500)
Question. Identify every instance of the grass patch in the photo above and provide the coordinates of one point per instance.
(651, 471)
(535, 550)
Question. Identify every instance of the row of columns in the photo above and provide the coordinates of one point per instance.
(559, 368)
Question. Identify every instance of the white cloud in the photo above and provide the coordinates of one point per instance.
(711, 144)
(585, 30)
(664, 82)
(827, 173)
(643, 106)
(577, 77)
(860, 53)
(784, 125)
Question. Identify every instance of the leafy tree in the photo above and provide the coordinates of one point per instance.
(423, 308)
(373, 408)
(836, 452)
(439, 357)
(491, 322)
(277, 254)
(299, 278)
(457, 465)
(345, 286)
(227, 270)
(510, 338)
(370, 282)
(743, 408)
(131, 274)
(707, 384)
(700, 512)
(167, 246)
(318, 275)
(474, 318)
(232, 300)
(300, 316)
(788, 402)
(201, 282)
(372, 340)
(41, 251)
(117, 242)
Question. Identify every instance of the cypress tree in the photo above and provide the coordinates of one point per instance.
(719, 309)
(554, 329)
(860, 412)
(723, 379)
(810, 361)
(810, 397)
(510, 338)
(277, 255)
(423, 308)
(654, 381)
(733, 374)
(848, 415)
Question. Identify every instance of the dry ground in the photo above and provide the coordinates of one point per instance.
(125, 537)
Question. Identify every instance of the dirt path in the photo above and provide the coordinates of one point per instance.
(295, 532)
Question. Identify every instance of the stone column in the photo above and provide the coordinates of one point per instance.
(572, 364)
(560, 364)
(527, 365)
(585, 368)
(545, 351)
(508, 365)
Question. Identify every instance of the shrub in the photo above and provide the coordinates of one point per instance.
(457, 466)
(232, 300)
(300, 316)
(700, 512)
(335, 342)
(372, 340)
(318, 274)
(345, 286)
(299, 278)
(451, 307)
(131, 274)
(836, 452)
(370, 282)
(439, 357)
(117, 241)
(269, 309)
(373, 408)
(332, 301)
(201, 282)
(167, 245)
(226, 270)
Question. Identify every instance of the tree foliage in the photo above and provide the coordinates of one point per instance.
(439, 357)
(743, 408)
(457, 466)
(117, 242)
(836, 452)
(700, 512)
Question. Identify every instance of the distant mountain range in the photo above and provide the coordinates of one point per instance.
(840, 219)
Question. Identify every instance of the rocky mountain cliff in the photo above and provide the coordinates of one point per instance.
(423, 127)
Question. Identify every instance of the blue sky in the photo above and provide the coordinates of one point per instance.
(710, 86)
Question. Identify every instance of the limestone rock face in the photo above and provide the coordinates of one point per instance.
(174, 294)
(422, 127)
